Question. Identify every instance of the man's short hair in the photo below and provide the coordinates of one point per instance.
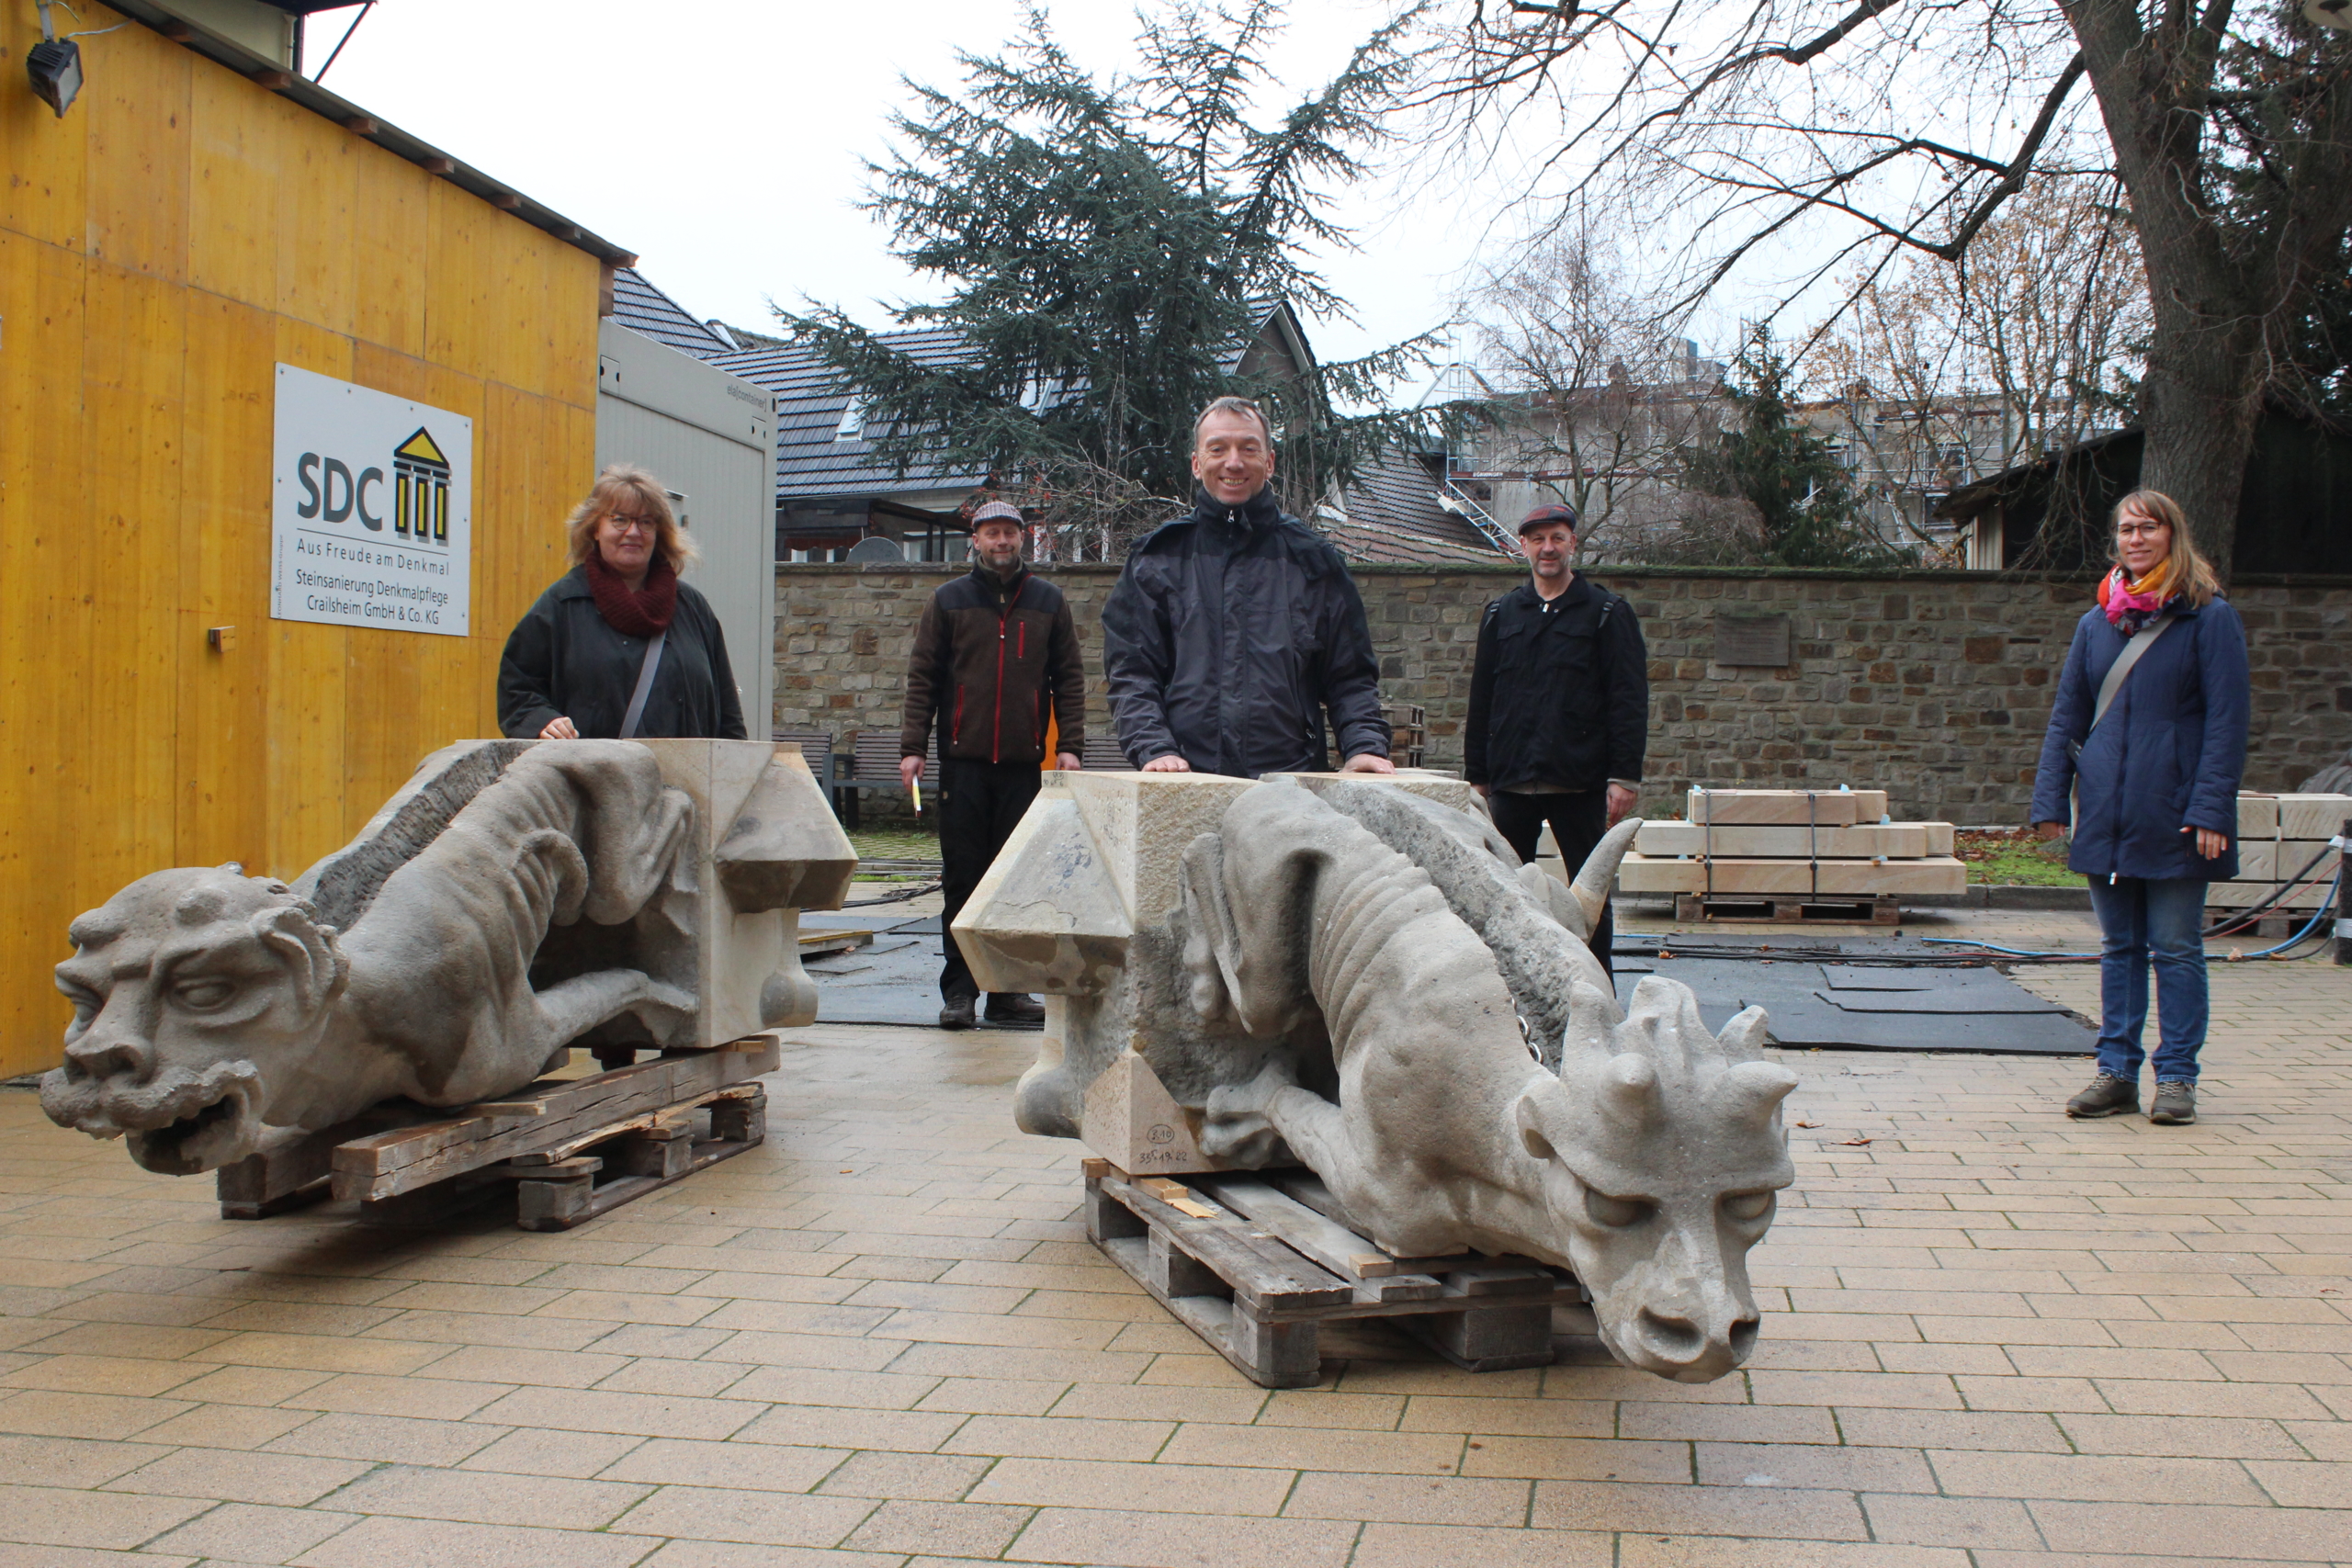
(1555, 512)
(1234, 405)
(993, 511)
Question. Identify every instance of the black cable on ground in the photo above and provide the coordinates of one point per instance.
(2229, 925)
(894, 897)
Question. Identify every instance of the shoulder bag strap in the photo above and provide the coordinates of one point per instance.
(644, 685)
(2116, 672)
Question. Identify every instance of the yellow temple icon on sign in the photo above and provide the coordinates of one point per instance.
(421, 490)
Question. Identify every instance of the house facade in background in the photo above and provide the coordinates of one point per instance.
(198, 217)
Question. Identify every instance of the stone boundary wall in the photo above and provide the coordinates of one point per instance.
(1934, 685)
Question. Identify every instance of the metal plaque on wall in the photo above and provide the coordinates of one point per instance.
(371, 513)
(1752, 640)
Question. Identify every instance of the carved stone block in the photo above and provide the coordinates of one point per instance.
(514, 898)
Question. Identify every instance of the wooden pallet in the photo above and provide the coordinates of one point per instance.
(1254, 1261)
(571, 1149)
(1883, 911)
(2272, 926)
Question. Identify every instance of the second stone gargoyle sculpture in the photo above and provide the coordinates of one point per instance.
(512, 899)
(1357, 976)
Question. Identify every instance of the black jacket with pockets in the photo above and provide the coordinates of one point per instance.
(1557, 697)
(1229, 634)
(562, 659)
(988, 656)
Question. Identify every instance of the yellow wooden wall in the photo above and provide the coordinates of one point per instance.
(162, 247)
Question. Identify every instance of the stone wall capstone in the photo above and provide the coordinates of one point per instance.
(1933, 685)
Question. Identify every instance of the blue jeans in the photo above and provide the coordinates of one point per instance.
(2140, 918)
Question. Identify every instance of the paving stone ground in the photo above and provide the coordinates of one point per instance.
(1993, 1338)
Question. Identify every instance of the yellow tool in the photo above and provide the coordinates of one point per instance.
(917, 786)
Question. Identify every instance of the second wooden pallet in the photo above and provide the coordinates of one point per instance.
(1254, 1262)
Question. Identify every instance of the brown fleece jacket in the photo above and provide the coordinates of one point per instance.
(988, 657)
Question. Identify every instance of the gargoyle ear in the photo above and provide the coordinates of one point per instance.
(314, 962)
(1745, 1036)
(1527, 1115)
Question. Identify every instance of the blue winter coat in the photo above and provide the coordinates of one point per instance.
(2168, 754)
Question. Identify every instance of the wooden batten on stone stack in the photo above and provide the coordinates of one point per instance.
(2285, 859)
(1794, 844)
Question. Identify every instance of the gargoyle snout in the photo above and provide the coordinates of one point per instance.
(1690, 1322)
(102, 1052)
(1696, 1338)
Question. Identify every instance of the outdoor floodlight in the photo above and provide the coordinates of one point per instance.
(2328, 13)
(55, 67)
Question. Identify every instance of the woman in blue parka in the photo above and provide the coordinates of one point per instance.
(2155, 787)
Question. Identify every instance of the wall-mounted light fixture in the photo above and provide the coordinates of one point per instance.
(54, 64)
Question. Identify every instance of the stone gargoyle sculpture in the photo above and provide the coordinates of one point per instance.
(514, 899)
(1358, 977)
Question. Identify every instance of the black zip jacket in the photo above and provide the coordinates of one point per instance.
(1556, 697)
(988, 656)
(563, 658)
(1229, 635)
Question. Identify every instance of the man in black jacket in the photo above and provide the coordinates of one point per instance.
(993, 649)
(1559, 704)
(1232, 631)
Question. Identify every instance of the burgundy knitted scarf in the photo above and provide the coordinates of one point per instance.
(645, 612)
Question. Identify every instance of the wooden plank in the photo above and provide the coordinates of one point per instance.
(1324, 1241)
(1936, 875)
(1892, 839)
(2257, 815)
(1268, 1274)
(580, 1112)
(1821, 808)
(2312, 815)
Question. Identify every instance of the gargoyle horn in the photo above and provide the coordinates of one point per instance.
(1755, 1090)
(1592, 883)
(1745, 1036)
(1631, 1085)
(1593, 1017)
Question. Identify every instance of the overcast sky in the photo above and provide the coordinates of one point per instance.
(726, 151)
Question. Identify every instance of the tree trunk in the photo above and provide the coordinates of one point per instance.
(2204, 391)
(2198, 406)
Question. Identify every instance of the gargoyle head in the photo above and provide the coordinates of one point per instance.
(1662, 1148)
(195, 991)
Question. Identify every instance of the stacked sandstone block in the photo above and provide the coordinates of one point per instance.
(2278, 836)
(1797, 843)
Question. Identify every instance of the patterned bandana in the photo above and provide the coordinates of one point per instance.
(2131, 606)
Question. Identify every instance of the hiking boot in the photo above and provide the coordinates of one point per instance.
(957, 1013)
(1014, 1007)
(2107, 1096)
(2176, 1103)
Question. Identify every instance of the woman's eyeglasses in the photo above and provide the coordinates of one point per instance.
(630, 525)
(2140, 530)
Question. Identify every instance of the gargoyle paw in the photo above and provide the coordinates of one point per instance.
(1237, 1124)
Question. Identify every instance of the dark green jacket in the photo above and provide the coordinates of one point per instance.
(561, 658)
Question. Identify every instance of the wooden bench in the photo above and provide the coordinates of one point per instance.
(874, 764)
(818, 750)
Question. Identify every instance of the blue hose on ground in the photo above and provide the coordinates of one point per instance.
(2326, 906)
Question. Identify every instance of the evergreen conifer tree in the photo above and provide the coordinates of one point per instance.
(1111, 247)
(1805, 512)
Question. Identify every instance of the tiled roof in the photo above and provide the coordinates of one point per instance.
(643, 309)
(812, 459)
(1389, 513)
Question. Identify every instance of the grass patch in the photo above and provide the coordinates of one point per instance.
(895, 844)
(2013, 857)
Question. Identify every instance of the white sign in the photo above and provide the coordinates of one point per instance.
(371, 508)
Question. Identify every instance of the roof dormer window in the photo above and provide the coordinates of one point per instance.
(853, 424)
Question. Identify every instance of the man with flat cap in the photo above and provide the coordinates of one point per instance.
(995, 651)
(1559, 704)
